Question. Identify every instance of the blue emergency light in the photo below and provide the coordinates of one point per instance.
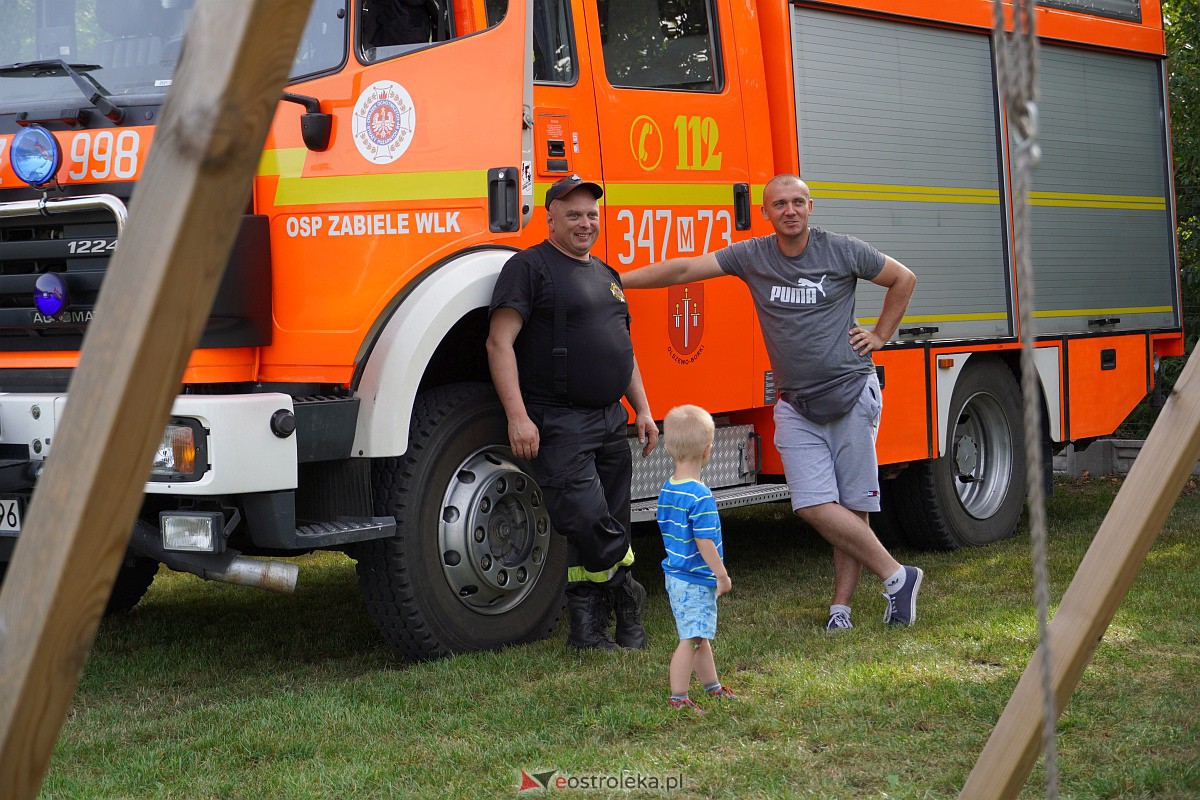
(50, 294)
(35, 156)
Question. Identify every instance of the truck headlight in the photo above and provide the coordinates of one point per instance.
(181, 452)
(194, 531)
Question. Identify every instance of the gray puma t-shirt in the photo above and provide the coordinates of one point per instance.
(806, 304)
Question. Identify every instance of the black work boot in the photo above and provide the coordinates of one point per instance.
(628, 599)
(588, 607)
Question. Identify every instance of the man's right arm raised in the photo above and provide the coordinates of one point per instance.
(672, 272)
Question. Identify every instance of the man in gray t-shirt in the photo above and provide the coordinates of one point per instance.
(803, 282)
(806, 303)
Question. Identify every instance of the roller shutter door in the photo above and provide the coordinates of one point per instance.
(899, 143)
(1103, 242)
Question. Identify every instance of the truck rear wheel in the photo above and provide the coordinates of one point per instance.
(474, 564)
(885, 522)
(975, 493)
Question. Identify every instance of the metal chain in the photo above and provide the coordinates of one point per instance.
(1016, 67)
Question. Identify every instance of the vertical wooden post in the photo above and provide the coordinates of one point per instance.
(1101, 582)
(151, 311)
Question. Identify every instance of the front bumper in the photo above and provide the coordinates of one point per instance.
(243, 453)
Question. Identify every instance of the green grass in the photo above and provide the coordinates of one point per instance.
(213, 691)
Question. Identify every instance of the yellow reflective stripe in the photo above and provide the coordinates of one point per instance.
(918, 194)
(382, 188)
(664, 194)
(948, 194)
(295, 190)
(907, 189)
(1068, 312)
(1078, 200)
(288, 163)
(577, 574)
(1079, 312)
(986, 315)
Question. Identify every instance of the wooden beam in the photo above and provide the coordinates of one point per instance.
(150, 313)
(1101, 582)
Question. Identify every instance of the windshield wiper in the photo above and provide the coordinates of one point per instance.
(96, 94)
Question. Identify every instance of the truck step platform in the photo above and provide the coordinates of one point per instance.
(343, 531)
(645, 510)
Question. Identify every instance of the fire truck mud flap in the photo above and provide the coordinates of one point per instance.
(975, 493)
(474, 564)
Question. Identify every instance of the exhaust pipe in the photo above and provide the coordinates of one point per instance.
(227, 567)
(273, 576)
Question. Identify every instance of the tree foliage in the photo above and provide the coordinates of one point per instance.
(1182, 22)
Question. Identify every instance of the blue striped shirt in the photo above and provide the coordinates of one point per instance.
(687, 512)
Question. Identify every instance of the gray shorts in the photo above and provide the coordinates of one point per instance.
(836, 462)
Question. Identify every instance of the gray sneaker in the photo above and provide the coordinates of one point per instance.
(839, 621)
(902, 604)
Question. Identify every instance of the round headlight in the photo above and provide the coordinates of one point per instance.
(35, 155)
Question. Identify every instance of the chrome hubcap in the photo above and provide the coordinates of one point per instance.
(494, 533)
(982, 456)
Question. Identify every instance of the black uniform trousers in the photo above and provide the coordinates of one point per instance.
(584, 468)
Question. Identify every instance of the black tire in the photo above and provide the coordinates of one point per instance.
(474, 564)
(885, 522)
(133, 579)
(973, 495)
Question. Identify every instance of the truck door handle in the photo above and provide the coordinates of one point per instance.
(741, 206)
(504, 200)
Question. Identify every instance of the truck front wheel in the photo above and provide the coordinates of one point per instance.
(975, 493)
(474, 564)
(133, 579)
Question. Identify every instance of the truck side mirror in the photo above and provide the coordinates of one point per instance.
(315, 127)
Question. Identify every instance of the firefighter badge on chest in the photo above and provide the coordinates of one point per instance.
(384, 122)
(685, 321)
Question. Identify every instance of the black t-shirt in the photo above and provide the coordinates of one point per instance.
(599, 361)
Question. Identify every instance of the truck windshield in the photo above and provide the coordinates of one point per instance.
(130, 47)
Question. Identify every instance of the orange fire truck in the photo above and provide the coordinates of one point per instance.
(339, 397)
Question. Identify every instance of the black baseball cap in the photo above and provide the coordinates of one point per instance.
(566, 185)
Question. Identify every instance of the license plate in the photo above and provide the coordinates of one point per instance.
(10, 514)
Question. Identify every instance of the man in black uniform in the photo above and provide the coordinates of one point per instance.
(561, 359)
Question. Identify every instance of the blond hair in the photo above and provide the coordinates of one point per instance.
(687, 430)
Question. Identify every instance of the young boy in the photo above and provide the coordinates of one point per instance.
(694, 570)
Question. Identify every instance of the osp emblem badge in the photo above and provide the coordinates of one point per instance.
(384, 122)
(685, 319)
